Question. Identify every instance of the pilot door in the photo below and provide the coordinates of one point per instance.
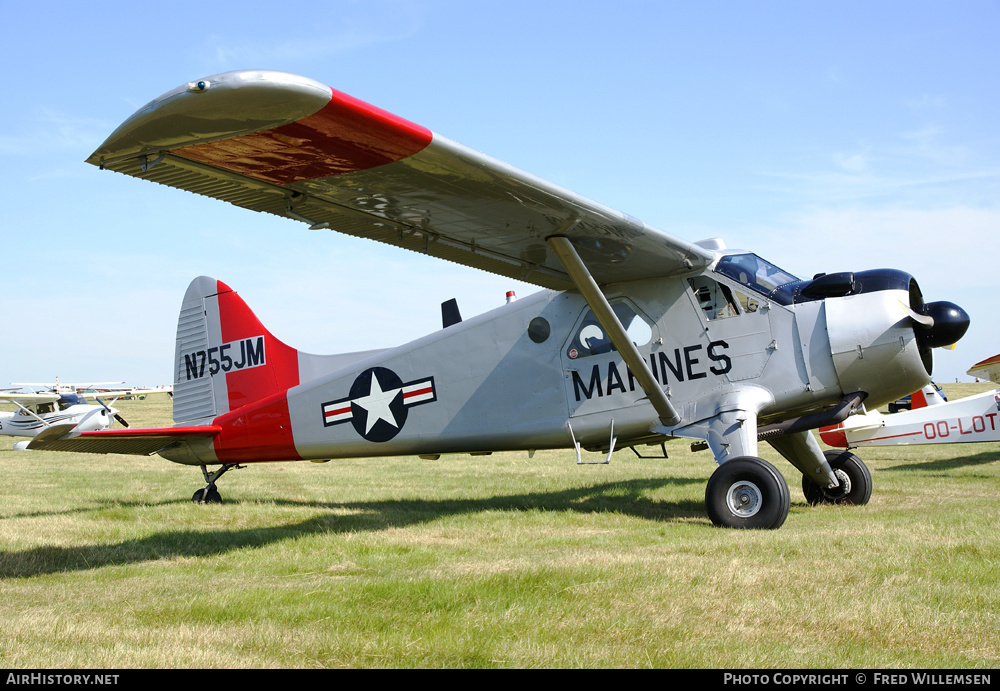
(737, 326)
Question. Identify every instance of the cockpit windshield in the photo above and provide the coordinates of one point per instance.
(754, 272)
(70, 399)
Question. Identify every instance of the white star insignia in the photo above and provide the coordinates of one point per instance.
(376, 403)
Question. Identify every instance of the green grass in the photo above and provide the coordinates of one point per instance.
(497, 561)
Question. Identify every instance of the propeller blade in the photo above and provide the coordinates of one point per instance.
(121, 420)
(924, 321)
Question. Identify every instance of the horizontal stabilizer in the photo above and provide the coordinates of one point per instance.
(141, 442)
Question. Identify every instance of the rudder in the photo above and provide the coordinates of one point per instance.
(224, 357)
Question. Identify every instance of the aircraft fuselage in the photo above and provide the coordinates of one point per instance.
(539, 373)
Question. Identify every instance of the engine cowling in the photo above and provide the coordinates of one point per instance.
(882, 335)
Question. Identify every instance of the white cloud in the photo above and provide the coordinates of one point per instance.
(926, 102)
(855, 162)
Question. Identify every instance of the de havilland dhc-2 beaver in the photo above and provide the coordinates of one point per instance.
(638, 336)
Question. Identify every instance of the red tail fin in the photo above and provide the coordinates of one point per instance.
(225, 357)
(280, 369)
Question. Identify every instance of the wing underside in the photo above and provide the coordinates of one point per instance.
(288, 146)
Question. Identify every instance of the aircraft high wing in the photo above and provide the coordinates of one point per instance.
(287, 145)
(108, 389)
(637, 337)
(62, 387)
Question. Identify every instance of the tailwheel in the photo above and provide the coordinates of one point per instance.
(210, 493)
(747, 492)
(853, 475)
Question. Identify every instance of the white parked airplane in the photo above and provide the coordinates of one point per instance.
(930, 421)
(39, 411)
(988, 369)
(64, 404)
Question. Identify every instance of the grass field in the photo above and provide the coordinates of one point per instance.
(496, 561)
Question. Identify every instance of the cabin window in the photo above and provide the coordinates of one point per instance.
(748, 303)
(591, 339)
(69, 400)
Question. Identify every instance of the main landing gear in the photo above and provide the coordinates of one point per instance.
(852, 474)
(747, 492)
(210, 494)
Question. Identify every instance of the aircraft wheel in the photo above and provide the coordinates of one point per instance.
(747, 492)
(854, 477)
(208, 495)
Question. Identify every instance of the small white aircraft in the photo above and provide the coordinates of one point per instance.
(636, 337)
(40, 411)
(988, 369)
(64, 405)
(931, 420)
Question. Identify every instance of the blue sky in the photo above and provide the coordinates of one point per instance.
(825, 136)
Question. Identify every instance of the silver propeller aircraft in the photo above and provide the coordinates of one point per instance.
(638, 336)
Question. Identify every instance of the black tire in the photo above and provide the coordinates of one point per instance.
(855, 481)
(208, 495)
(747, 492)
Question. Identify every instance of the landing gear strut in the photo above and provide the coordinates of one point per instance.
(210, 494)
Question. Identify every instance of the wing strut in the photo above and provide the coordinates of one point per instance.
(587, 286)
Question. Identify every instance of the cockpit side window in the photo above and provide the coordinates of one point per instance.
(67, 400)
(747, 302)
(715, 299)
(718, 301)
(754, 273)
